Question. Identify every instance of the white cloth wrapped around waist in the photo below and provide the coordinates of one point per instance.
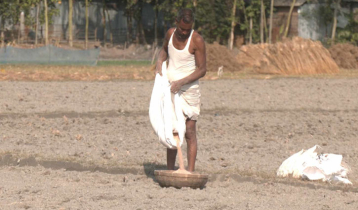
(189, 96)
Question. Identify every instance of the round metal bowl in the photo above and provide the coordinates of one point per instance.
(166, 178)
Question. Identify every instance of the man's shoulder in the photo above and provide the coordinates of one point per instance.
(198, 40)
(170, 32)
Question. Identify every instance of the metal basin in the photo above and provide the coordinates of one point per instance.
(166, 178)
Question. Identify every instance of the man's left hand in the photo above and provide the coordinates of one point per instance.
(175, 86)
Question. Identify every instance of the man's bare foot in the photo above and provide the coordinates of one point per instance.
(181, 171)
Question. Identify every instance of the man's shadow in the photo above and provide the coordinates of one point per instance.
(150, 167)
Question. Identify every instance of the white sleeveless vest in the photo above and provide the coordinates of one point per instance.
(181, 62)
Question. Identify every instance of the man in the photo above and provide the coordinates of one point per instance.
(185, 50)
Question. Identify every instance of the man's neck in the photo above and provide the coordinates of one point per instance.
(180, 39)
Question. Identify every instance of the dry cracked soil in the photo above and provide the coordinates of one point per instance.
(90, 145)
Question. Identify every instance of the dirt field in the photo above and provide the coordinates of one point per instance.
(89, 145)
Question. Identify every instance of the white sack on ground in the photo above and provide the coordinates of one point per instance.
(163, 116)
(309, 165)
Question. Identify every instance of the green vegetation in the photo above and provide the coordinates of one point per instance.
(214, 19)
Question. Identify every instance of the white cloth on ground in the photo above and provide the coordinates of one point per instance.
(309, 165)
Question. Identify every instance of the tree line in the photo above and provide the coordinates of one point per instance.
(216, 20)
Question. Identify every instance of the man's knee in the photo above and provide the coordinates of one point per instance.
(190, 134)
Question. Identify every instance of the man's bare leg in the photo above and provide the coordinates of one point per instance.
(181, 169)
(192, 145)
(171, 156)
(191, 140)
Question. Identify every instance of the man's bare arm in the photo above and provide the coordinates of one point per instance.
(163, 54)
(200, 59)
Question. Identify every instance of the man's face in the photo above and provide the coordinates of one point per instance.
(183, 29)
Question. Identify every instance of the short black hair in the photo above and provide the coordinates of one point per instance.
(186, 15)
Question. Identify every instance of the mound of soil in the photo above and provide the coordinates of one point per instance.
(250, 55)
(345, 55)
(218, 55)
(296, 56)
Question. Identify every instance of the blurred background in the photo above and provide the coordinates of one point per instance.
(134, 30)
(85, 23)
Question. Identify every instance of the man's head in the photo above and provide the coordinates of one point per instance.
(184, 22)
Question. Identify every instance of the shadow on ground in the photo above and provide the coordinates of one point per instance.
(149, 169)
